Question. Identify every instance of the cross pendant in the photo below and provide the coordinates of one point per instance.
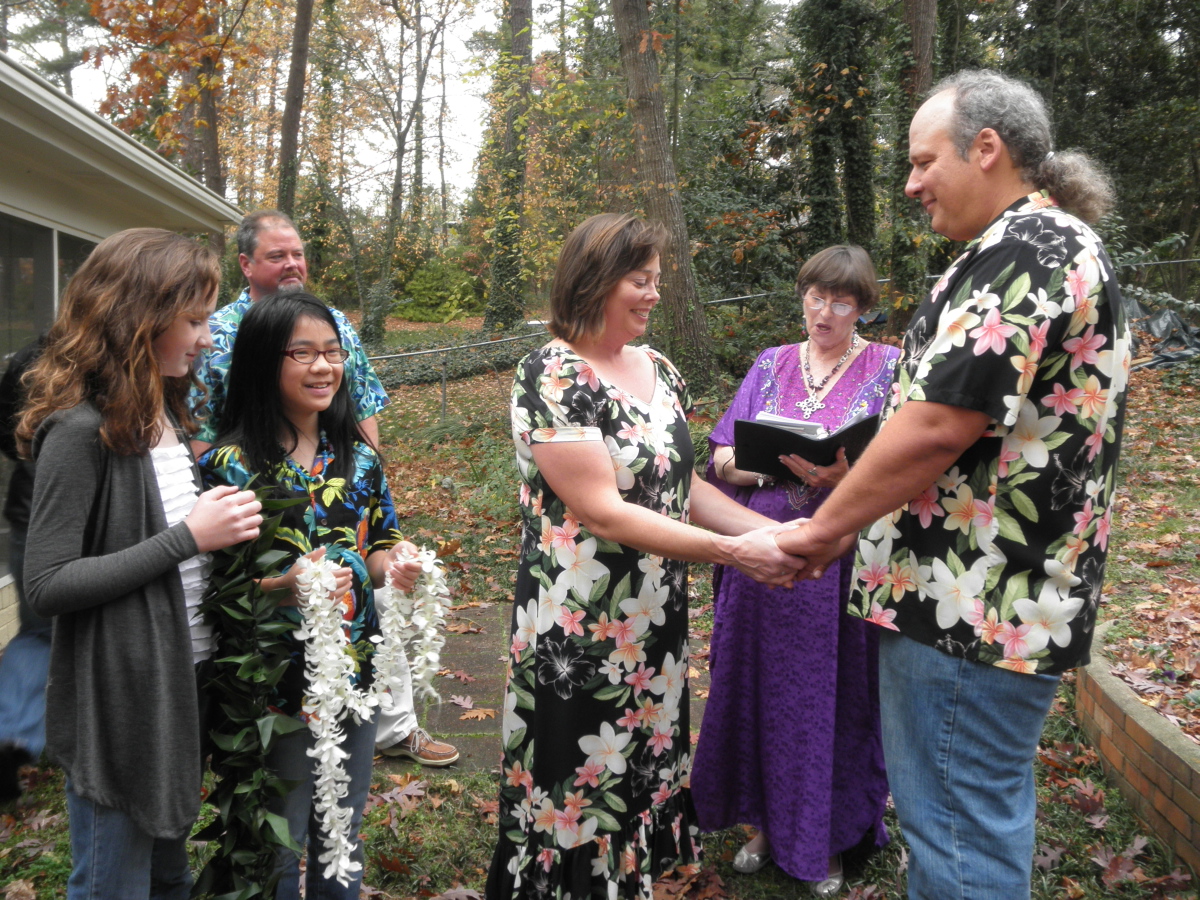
(810, 406)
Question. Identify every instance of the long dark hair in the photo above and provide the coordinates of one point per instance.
(252, 417)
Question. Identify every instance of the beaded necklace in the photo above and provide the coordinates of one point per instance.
(810, 405)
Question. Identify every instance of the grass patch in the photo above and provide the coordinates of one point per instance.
(35, 844)
(428, 836)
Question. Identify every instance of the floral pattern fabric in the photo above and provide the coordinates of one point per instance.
(1002, 559)
(593, 797)
(351, 517)
(212, 367)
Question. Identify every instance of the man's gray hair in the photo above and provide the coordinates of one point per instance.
(1017, 113)
(257, 221)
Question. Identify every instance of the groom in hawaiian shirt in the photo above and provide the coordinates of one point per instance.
(985, 501)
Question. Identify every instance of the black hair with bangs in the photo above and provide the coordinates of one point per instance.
(252, 417)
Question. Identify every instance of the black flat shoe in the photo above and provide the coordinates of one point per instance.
(12, 758)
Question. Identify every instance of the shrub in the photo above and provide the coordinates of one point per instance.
(439, 291)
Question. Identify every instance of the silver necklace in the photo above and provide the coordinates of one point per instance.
(810, 405)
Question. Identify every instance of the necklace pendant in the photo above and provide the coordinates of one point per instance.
(810, 406)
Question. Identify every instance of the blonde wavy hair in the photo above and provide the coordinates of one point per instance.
(101, 347)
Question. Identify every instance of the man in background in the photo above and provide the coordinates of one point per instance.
(271, 256)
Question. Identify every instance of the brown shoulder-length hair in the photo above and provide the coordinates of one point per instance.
(843, 269)
(594, 258)
(101, 346)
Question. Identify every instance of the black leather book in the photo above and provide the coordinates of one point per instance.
(757, 446)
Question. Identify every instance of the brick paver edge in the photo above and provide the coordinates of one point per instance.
(1163, 759)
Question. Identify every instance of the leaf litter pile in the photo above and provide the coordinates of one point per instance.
(1153, 589)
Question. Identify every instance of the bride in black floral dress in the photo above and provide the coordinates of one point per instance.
(597, 750)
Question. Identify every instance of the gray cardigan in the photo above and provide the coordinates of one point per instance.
(121, 707)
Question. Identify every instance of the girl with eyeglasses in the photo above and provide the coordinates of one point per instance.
(288, 423)
(815, 785)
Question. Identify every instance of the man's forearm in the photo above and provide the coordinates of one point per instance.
(919, 443)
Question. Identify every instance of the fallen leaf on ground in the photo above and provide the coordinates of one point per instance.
(478, 714)
(465, 702)
(489, 809)
(393, 864)
(41, 820)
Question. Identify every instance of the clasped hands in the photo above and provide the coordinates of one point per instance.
(787, 552)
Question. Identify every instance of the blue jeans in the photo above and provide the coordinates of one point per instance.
(24, 667)
(113, 858)
(959, 739)
(291, 762)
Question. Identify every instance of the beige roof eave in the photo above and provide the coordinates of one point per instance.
(64, 166)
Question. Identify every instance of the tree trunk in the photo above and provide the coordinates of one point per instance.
(676, 77)
(289, 136)
(921, 18)
(416, 199)
(201, 151)
(506, 278)
(64, 48)
(824, 226)
(444, 230)
(908, 251)
(379, 297)
(859, 170)
(269, 148)
(686, 333)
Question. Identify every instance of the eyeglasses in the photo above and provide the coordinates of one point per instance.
(306, 356)
(816, 304)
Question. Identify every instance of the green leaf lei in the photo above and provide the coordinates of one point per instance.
(251, 657)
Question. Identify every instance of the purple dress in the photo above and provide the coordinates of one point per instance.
(790, 739)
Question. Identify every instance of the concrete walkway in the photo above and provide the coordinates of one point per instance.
(481, 656)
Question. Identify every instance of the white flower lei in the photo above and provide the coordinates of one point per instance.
(412, 629)
(411, 623)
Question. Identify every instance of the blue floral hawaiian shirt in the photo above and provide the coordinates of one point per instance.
(212, 367)
(352, 517)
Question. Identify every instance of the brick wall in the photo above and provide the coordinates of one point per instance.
(1152, 763)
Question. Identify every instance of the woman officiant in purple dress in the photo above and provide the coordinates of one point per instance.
(790, 741)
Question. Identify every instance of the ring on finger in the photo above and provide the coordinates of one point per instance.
(812, 471)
